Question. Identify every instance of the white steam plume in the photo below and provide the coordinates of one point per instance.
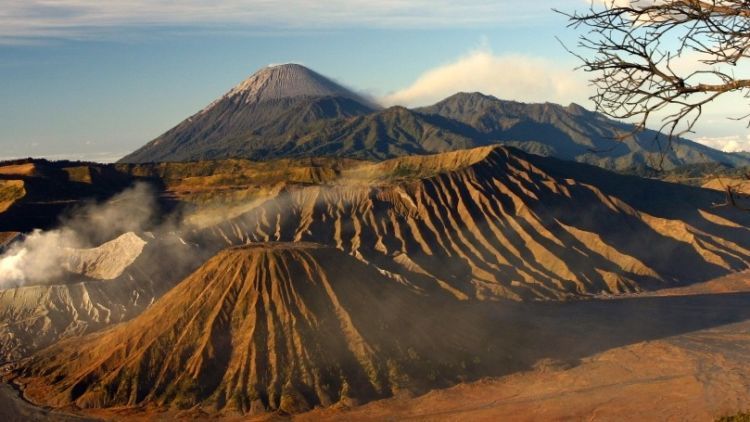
(40, 257)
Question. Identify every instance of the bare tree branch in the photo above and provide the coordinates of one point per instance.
(636, 55)
(633, 51)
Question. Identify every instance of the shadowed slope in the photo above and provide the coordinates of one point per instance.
(262, 327)
(644, 359)
(393, 132)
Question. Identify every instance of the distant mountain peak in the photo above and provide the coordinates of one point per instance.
(255, 116)
(288, 81)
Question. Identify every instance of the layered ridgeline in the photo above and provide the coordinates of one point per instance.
(290, 111)
(251, 119)
(494, 222)
(259, 328)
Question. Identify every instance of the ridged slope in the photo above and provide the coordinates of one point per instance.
(498, 223)
(287, 81)
(256, 328)
(106, 261)
(290, 111)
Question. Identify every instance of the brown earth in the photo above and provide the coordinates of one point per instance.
(721, 183)
(694, 377)
(23, 169)
(641, 358)
(488, 223)
(7, 237)
(10, 192)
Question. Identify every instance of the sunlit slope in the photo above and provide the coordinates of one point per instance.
(495, 222)
(331, 288)
(263, 327)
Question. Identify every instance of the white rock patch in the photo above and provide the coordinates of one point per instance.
(107, 261)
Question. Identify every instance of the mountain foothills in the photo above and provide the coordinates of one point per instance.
(290, 111)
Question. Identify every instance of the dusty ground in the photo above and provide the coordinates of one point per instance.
(698, 376)
(17, 169)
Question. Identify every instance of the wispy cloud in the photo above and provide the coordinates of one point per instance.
(24, 19)
(512, 77)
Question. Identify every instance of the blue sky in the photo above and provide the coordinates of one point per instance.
(94, 80)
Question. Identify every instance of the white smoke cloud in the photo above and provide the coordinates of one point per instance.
(510, 77)
(11, 267)
(40, 257)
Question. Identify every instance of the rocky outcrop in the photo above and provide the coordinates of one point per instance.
(106, 261)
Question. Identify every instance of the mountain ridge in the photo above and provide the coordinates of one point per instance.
(479, 227)
(289, 111)
(323, 291)
(573, 133)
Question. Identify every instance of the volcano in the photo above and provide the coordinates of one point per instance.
(254, 116)
(359, 281)
(271, 326)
